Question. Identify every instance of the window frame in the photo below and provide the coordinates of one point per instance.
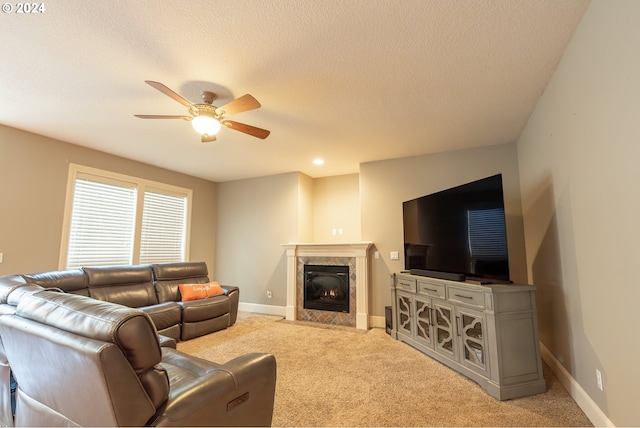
(142, 185)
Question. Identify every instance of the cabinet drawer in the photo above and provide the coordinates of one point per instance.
(467, 297)
(431, 289)
(406, 284)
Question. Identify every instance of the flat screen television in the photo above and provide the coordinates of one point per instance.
(458, 233)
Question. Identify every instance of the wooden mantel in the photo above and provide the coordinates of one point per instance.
(359, 250)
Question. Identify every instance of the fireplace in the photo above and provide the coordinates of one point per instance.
(353, 256)
(326, 288)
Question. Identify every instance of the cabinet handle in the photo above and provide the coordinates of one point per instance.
(464, 297)
(458, 325)
(431, 289)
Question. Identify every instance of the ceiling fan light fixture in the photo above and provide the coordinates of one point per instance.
(205, 125)
(206, 118)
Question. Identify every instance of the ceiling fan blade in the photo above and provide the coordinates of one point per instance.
(244, 103)
(161, 116)
(247, 129)
(208, 138)
(170, 93)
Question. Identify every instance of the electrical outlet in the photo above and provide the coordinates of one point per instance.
(269, 294)
(599, 380)
(394, 255)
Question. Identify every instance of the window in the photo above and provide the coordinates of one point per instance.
(113, 219)
(163, 227)
(102, 224)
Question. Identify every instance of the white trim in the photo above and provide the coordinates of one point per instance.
(261, 309)
(66, 220)
(359, 250)
(588, 406)
(377, 322)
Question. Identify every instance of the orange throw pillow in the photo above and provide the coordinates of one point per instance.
(199, 291)
(214, 289)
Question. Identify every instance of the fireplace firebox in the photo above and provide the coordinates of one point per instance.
(326, 288)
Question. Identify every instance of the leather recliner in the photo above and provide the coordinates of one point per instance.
(198, 316)
(133, 286)
(12, 288)
(84, 362)
(7, 285)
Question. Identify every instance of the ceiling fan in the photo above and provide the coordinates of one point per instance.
(206, 118)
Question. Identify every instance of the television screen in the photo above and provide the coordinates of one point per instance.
(460, 230)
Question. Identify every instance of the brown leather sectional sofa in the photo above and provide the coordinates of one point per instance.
(92, 356)
(153, 289)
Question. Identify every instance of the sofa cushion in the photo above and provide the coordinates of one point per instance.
(180, 270)
(70, 281)
(8, 284)
(205, 309)
(194, 329)
(19, 292)
(126, 285)
(168, 276)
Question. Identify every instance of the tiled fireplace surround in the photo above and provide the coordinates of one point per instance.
(355, 255)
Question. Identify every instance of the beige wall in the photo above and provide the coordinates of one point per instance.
(305, 187)
(336, 205)
(386, 184)
(33, 183)
(580, 176)
(255, 217)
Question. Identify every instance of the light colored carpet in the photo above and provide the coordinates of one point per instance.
(340, 376)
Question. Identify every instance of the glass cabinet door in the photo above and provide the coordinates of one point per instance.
(404, 313)
(423, 321)
(444, 333)
(472, 333)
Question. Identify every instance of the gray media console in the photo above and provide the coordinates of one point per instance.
(488, 332)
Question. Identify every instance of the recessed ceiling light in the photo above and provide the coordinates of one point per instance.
(318, 161)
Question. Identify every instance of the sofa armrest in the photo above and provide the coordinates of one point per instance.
(202, 393)
(167, 342)
(6, 386)
(234, 298)
(163, 315)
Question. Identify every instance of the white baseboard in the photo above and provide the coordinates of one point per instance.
(262, 309)
(588, 406)
(374, 321)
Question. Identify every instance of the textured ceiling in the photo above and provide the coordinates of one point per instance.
(350, 81)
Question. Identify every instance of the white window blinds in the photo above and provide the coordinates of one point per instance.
(102, 224)
(113, 219)
(163, 228)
